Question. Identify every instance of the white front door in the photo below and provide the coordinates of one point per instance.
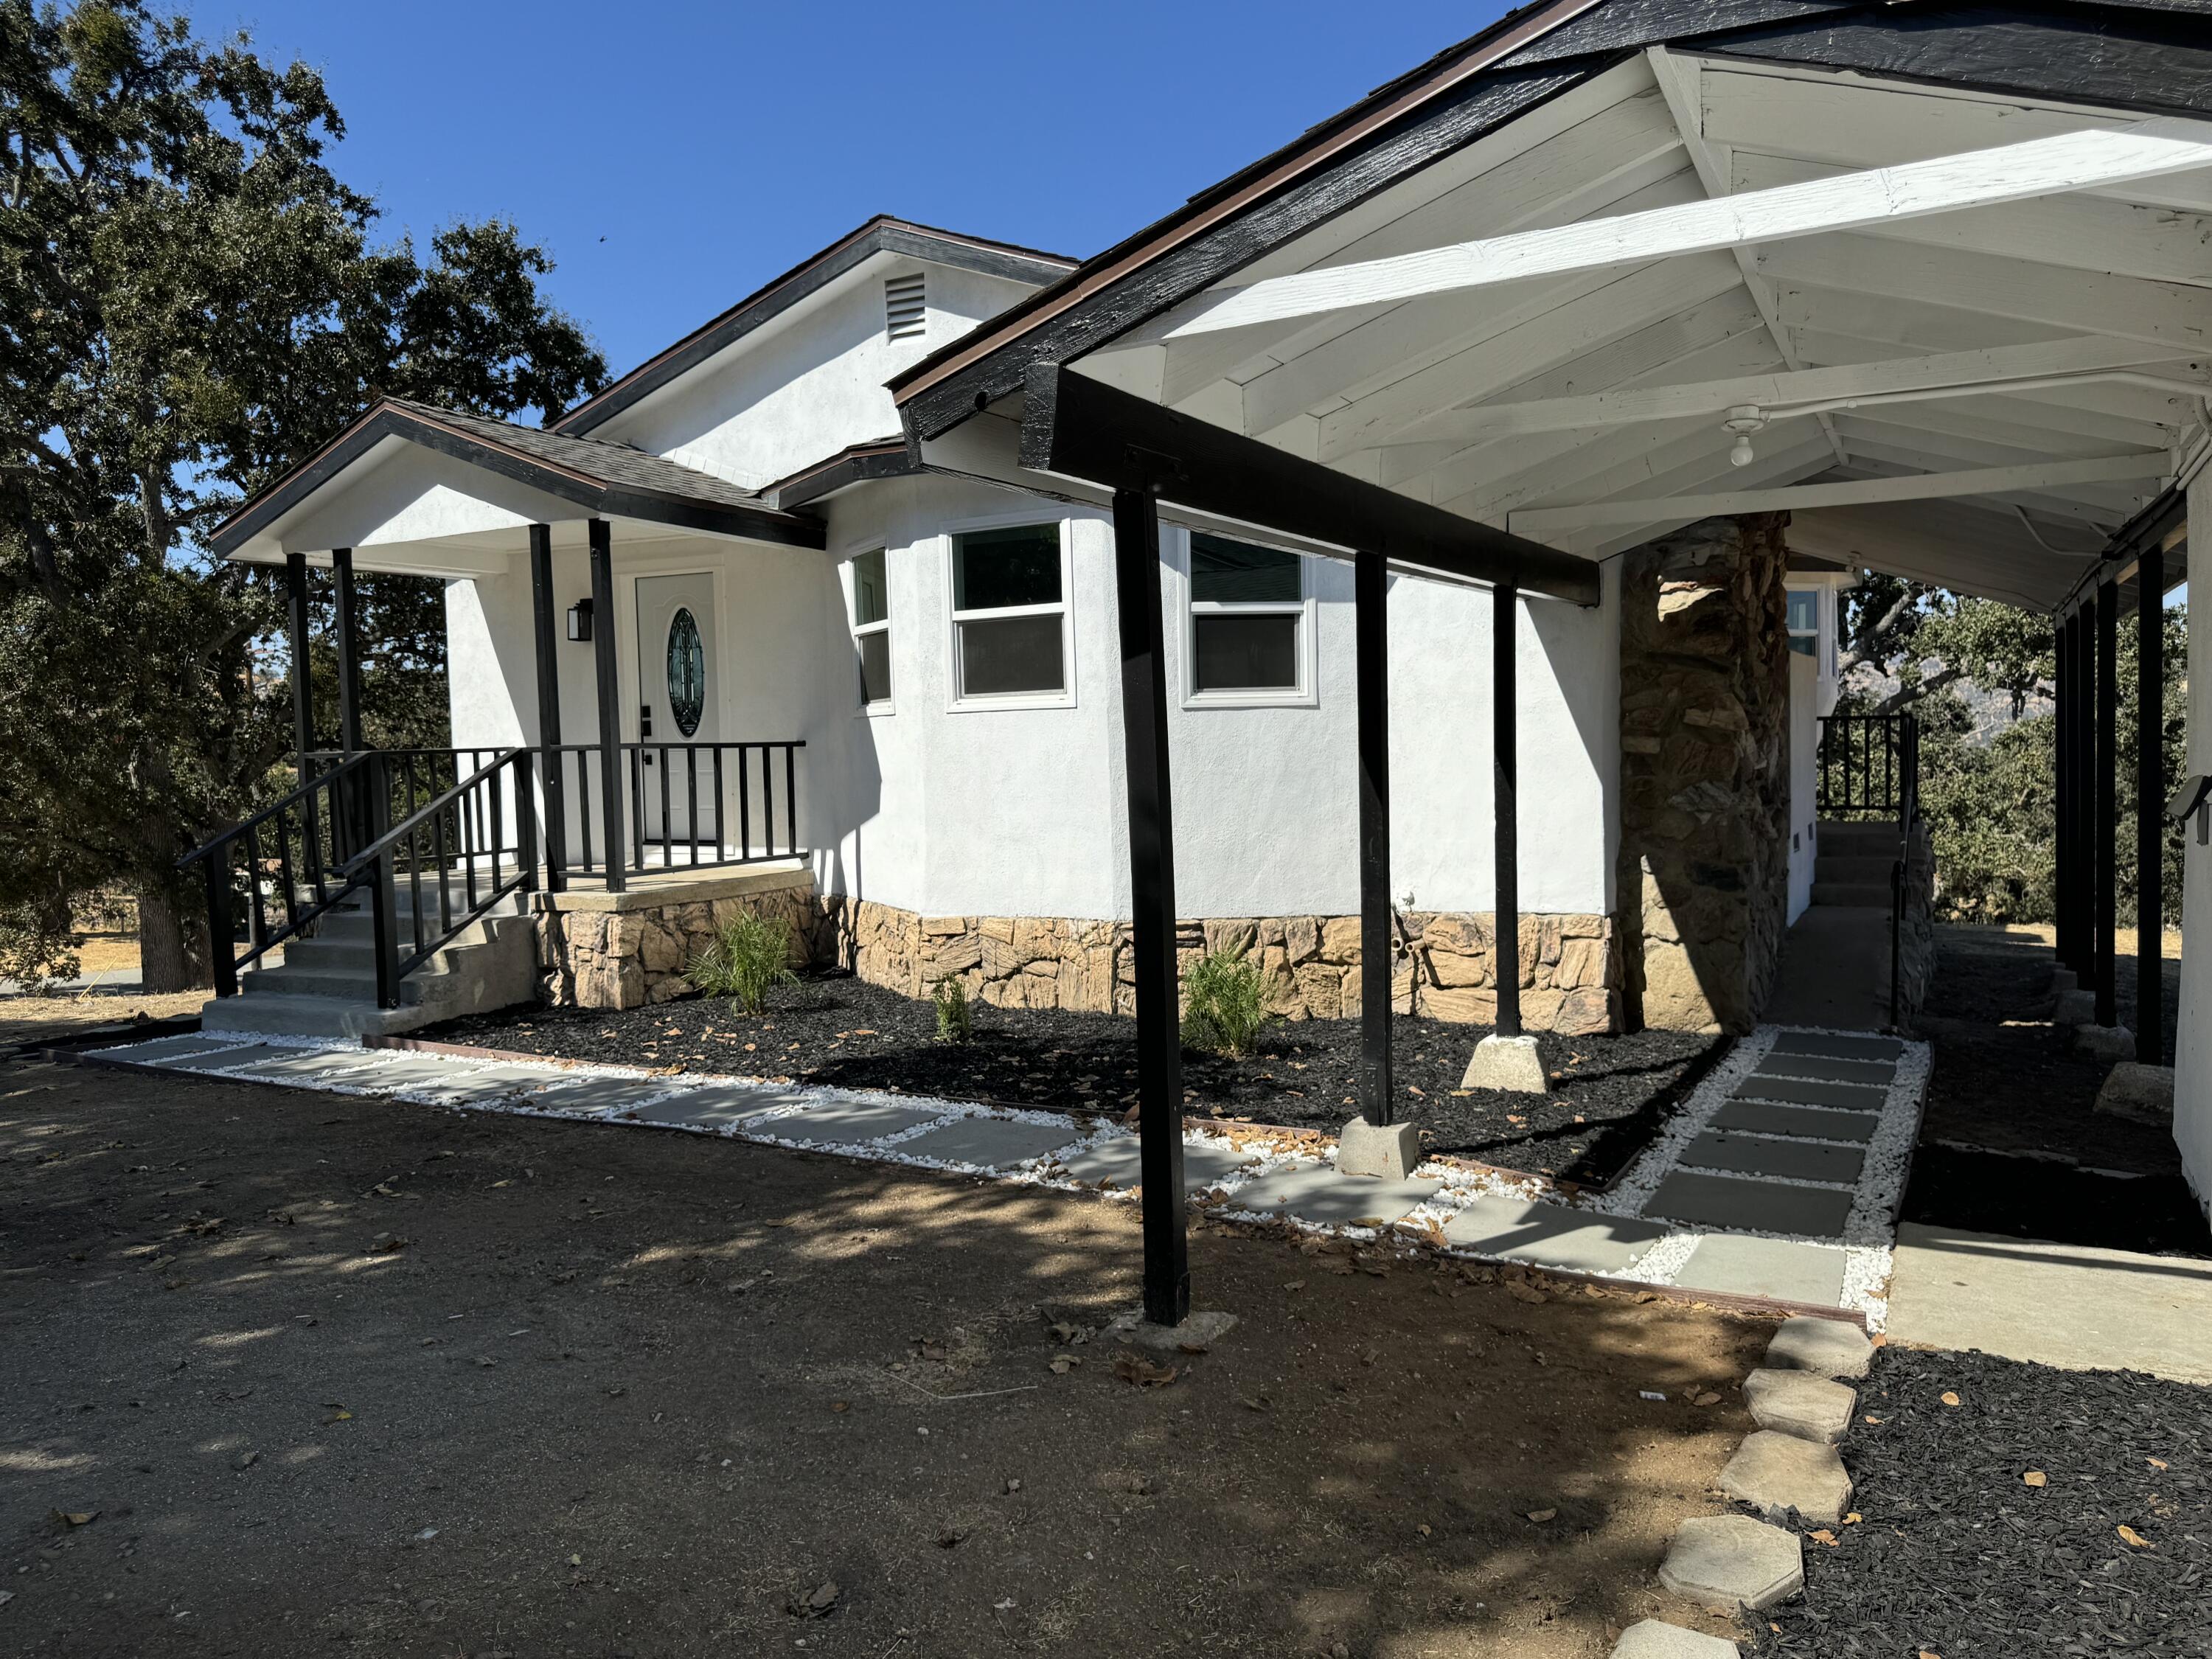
(677, 694)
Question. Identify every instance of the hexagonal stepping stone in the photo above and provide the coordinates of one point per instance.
(1777, 1473)
(1807, 1121)
(1775, 1155)
(1771, 1267)
(1725, 1562)
(1837, 1045)
(1552, 1236)
(1799, 1403)
(844, 1123)
(1650, 1639)
(713, 1106)
(1116, 1162)
(1763, 1206)
(1324, 1196)
(991, 1143)
(1879, 1072)
(1825, 1347)
(1808, 1091)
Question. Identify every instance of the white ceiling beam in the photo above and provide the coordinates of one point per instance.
(1931, 486)
(2010, 172)
(1808, 459)
(1678, 79)
(1962, 370)
(2087, 504)
(2059, 439)
(2174, 314)
(1931, 542)
(1628, 458)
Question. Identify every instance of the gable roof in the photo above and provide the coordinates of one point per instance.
(610, 479)
(881, 234)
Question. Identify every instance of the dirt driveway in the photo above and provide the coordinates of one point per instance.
(334, 1375)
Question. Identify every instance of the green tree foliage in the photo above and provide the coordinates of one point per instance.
(1987, 785)
(191, 301)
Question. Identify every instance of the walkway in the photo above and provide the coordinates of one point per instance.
(1778, 1179)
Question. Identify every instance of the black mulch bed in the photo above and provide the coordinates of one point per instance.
(1612, 1093)
(2019, 1197)
(1955, 1554)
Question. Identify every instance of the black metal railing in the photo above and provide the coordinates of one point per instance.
(681, 806)
(472, 845)
(1869, 766)
(287, 859)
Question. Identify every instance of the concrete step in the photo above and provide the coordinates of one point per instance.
(1853, 868)
(1869, 894)
(290, 981)
(312, 1016)
(1854, 837)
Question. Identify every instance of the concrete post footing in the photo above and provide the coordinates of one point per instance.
(1365, 1149)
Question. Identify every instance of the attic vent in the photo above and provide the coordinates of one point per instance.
(904, 311)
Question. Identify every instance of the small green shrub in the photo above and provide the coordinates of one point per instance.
(34, 951)
(1224, 1003)
(745, 962)
(956, 1020)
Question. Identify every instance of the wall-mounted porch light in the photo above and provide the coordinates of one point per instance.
(579, 621)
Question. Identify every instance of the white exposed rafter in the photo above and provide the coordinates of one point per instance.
(1858, 492)
(2001, 368)
(1946, 184)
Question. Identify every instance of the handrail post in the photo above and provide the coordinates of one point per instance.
(383, 901)
(525, 821)
(217, 867)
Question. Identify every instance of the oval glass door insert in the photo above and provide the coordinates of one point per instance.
(687, 671)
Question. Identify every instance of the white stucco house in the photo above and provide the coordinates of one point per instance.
(825, 606)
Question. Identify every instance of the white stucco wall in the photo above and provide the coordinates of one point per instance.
(2192, 1076)
(811, 382)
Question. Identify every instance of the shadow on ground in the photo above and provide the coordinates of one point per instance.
(330, 1373)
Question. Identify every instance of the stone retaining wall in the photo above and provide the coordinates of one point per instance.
(627, 957)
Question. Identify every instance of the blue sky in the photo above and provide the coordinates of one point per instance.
(673, 154)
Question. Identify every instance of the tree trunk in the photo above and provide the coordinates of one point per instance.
(171, 951)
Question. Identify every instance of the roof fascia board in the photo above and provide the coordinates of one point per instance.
(801, 282)
(885, 459)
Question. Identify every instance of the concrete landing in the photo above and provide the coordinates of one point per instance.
(1835, 970)
(2066, 1305)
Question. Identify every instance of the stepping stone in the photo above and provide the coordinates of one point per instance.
(1650, 1640)
(1804, 1091)
(714, 1106)
(1837, 1046)
(386, 1071)
(162, 1048)
(472, 1086)
(1116, 1161)
(1776, 1473)
(1550, 1236)
(599, 1096)
(220, 1060)
(1324, 1196)
(1880, 1074)
(1727, 1562)
(992, 1143)
(1762, 1207)
(1770, 1267)
(1825, 1347)
(1802, 1120)
(1797, 1159)
(844, 1123)
(1799, 1403)
(311, 1064)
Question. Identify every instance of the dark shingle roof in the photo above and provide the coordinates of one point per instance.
(593, 458)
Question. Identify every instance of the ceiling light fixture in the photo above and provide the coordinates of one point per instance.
(1743, 420)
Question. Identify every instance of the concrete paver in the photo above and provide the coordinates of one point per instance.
(1827, 1347)
(594, 1097)
(845, 1123)
(1837, 1045)
(1756, 1206)
(306, 1065)
(1796, 1159)
(1782, 1062)
(1549, 1236)
(1736, 1266)
(1649, 1639)
(713, 1106)
(1810, 1122)
(2067, 1305)
(1729, 1561)
(1808, 1091)
(1801, 1404)
(222, 1060)
(1323, 1195)
(1118, 1161)
(992, 1143)
(158, 1049)
(474, 1087)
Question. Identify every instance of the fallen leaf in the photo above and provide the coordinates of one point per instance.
(2034, 1478)
(2155, 1462)
(1708, 1398)
(1134, 1368)
(1950, 1399)
(1527, 1293)
(1853, 1518)
(1870, 1418)
(1063, 1364)
(1423, 1529)
(841, 1405)
(75, 1518)
(1822, 1534)
(2129, 1535)
(1539, 1516)
(385, 1243)
(1294, 1284)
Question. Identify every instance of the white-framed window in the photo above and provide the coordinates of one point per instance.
(1011, 643)
(872, 629)
(1805, 621)
(1248, 624)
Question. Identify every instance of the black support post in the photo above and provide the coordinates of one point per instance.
(545, 632)
(303, 690)
(1505, 739)
(610, 677)
(1371, 633)
(1151, 886)
(2150, 802)
(2062, 786)
(2108, 800)
(349, 621)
